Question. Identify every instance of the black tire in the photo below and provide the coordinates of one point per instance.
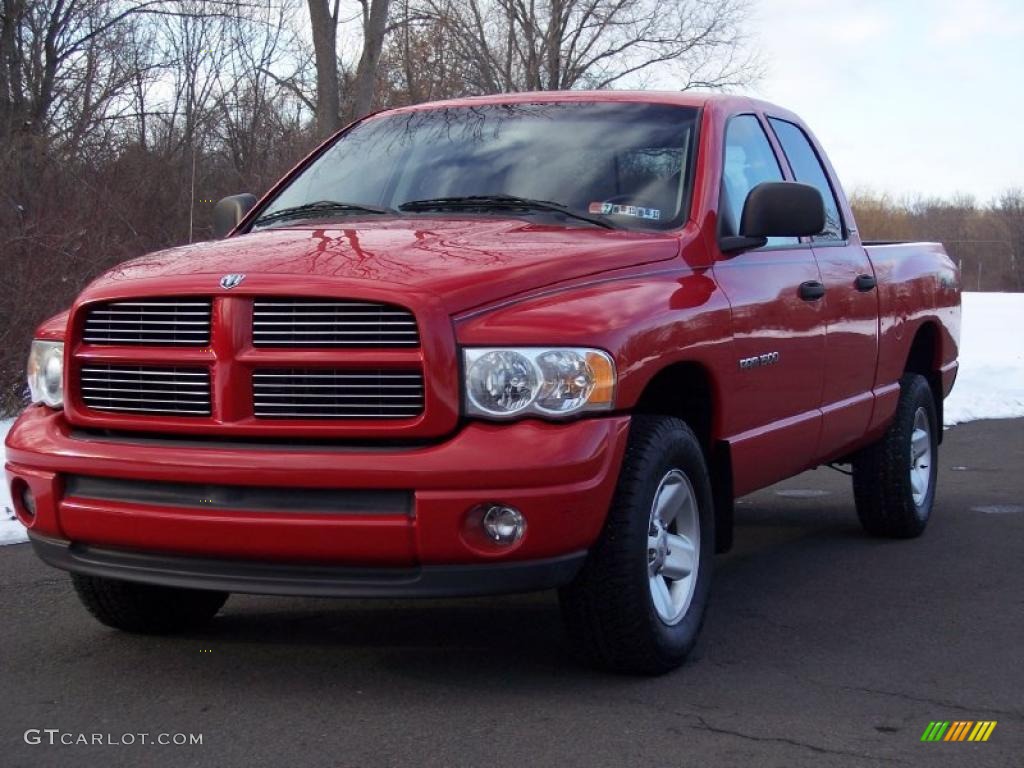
(882, 487)
(609, 609)
(146, 608)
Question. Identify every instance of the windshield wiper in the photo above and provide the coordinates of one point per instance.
(479, 202)
(308, 210)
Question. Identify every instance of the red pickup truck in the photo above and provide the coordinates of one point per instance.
(484, 346)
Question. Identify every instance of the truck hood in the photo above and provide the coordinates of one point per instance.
(465, 262)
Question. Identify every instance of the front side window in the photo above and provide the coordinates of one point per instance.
(749, 161)
(625, 162)
(808, 169)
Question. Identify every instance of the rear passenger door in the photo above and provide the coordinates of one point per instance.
(778, 336)
(850, 303)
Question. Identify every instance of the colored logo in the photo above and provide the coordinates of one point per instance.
(959, 730)
(230, 281)
(625, 210)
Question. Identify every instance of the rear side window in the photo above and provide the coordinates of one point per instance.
(807, 168)
(749, 161)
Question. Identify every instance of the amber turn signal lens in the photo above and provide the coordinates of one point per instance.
(604, 379)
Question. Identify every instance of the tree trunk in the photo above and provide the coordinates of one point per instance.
(13, 109)
(325, 41)
(374, 29)
(553, 38)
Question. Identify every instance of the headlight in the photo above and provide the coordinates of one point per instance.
(46, 373)
(561, 381)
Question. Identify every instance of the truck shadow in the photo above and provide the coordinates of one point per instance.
(517, 641)
(418, 637)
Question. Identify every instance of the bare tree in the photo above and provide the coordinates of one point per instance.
(46, 44)
(516, 45)
(375, 23)
(980, 239)
(323, 15)
(257, 107)
(419, 64)
(1009, 210)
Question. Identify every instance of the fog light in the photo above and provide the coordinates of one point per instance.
(504, 525)
(28, 502)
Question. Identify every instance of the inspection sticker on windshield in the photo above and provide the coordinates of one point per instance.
(625, 210)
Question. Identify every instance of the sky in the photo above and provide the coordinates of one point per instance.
(908, 97)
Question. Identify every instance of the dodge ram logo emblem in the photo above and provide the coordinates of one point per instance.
(231, 281)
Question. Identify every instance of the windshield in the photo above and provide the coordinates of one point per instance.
(626, 163)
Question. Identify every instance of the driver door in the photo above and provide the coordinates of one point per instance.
(778, 326)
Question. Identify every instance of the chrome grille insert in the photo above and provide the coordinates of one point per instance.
(328, 393)
(327, 323)
(168, 322)
(145, 389)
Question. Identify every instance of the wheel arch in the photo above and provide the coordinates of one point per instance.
(686, 390)
(925, 358)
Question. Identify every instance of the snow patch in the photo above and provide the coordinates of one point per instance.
(11, 531)
(990, 384)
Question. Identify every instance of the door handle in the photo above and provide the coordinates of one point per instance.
(812, 290)
(865, 283)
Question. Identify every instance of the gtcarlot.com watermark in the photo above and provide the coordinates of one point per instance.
(57, 737)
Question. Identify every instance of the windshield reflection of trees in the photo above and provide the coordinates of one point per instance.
(570, 153)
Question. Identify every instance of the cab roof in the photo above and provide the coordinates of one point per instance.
(697, 99)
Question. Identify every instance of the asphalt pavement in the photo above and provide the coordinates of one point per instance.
(821, 647)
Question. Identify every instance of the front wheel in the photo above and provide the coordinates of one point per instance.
(146, 608)
(638, 604)
(894, 479)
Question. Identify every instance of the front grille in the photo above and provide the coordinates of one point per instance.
(320, 323)
(327, 393)
(169, 322)
(145, 389)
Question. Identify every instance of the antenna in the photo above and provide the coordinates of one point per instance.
(192, 188)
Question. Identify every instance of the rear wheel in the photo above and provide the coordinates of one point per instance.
(146, 608)
(638, 604)
(894, 479)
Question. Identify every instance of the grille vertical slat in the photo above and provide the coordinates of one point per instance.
(320, 393)
(162, 322)
(343, 323)
(144, 389)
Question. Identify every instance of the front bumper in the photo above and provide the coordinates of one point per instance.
(263, 578)
(561, 476)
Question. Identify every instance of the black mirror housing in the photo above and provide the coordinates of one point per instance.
(230, 211)
(782, 209)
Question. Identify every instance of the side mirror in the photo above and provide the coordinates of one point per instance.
(229, 211)
(778, 209)
(782, 209)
